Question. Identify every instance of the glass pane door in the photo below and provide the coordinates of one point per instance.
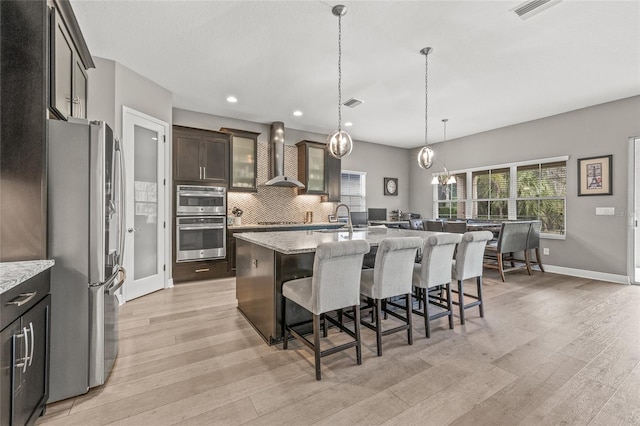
(146, 202)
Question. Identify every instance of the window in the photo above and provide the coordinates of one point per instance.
(451, 198)
(352, 190)
(542, 191)
(531, 190)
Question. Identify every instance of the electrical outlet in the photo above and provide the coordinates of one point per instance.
(605, 211)
(545, 251)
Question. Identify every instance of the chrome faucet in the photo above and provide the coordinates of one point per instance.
(349, 224)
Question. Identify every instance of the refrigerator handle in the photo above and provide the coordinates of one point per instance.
(123, 197)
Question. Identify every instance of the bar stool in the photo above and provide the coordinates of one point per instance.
(390, 277)
(335, 284)
(434, 273)
(468, 264)
(533, 243)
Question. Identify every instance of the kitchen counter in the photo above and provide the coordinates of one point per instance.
(265, 260)
(295, 242)
(15, 273)
(291, 226)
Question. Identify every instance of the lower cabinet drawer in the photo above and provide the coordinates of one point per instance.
(201, 270)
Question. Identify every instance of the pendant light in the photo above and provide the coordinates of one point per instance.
(339, 143)
(444, 178)
(426, 156)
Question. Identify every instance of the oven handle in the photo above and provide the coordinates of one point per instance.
(199, 194)
(195, 228)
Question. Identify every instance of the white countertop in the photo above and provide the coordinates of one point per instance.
(251, 226)
(15, 273)
(294, 242)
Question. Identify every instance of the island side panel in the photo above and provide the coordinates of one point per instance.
(255, 287)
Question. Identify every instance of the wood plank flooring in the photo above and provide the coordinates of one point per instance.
(551, 350)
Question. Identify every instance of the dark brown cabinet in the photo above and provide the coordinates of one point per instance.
(24, 352)
(243, 169)
(200, 155)
(69, 60)
(311, 167)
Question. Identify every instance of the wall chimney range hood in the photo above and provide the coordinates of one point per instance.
(276, 159)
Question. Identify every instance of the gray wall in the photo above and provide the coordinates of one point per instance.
(593, 243)
(379, 161)
(112, 86)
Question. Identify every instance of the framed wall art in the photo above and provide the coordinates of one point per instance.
(595, 175)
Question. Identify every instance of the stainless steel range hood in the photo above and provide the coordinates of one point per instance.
(276, 157)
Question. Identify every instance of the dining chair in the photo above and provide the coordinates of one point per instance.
(467, 265)
(390, 277)
(434, 273)
(416, 224)
(512, 239)
(433, 225)
(334, 285)
(533, 243)
(455, 227)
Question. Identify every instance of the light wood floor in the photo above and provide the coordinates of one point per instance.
(550, 350)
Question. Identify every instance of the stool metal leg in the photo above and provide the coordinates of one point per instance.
(450, 306)
(356, 325)
(427, 323)
(481, 305)
(316, 345)
(409, 320)
(378, 308)
(461, 300)
(285, 332)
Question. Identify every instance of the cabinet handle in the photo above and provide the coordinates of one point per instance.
(202, 270)
(204, 172)
(22, 299)
(200, 175)
(32, 343)
(26, 349)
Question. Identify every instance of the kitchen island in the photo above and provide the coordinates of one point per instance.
(265, 260)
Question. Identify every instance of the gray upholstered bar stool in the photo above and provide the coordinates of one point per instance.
(512, 239)
(433, 273)
(391, 277)
(468, 264)
(335, 284)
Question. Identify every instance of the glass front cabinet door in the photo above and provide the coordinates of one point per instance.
(311, 167)
(243, 165)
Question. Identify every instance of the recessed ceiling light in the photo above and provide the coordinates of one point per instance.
(297, 113)
(348, 124)
(232, 99)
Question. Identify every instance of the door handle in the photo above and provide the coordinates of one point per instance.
(131, 230)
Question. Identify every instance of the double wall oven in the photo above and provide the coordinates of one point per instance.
(201, 223)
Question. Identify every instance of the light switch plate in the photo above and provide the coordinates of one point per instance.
(254, 263)
(605, 211)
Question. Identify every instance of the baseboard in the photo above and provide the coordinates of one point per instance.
(600, 276)
(169, 283)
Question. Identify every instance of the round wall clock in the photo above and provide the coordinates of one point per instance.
(390, 186)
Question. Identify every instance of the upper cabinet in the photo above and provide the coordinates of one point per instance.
(200, 155)
(243, 169)
(311, 167)
(333, 171)
(69, 60)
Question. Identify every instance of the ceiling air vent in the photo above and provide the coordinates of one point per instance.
(353, 102)
(531, 8)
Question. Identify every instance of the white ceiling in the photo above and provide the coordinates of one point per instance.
(488, 68)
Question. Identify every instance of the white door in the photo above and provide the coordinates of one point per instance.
(144, 149)
(635, 278)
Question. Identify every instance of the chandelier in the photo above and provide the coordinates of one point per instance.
(445, 177)
(339, 143)
(425, 156)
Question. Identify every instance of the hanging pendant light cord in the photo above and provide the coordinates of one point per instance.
(426, 97)
(339, 73)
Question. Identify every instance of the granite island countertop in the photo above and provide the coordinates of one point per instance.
(294, 242)
(15, 273)
(292, 226)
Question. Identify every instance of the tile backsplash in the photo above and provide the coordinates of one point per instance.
(277, 204)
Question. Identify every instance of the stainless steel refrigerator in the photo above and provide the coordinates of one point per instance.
(85, 181)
